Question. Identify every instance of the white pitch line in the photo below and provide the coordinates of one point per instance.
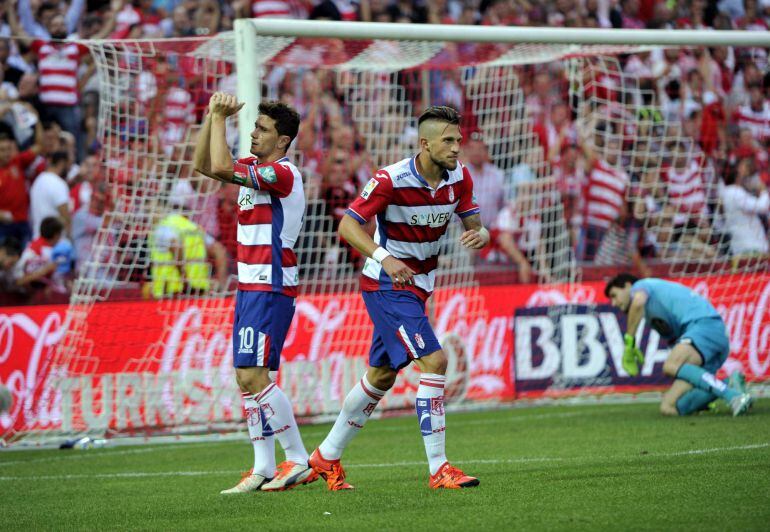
(86, 454)
(150, 474)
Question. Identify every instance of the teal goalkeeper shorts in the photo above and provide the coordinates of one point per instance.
(709, 337)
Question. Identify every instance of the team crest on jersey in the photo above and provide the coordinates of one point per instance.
(419, 340)
(267, 174)
(451, 194)
(369, 188)
(437, 405)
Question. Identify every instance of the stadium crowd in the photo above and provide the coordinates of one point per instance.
(53, 194)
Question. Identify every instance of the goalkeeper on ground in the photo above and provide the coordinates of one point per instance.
(698, 336)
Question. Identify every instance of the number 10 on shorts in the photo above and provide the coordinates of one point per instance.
(246, 335)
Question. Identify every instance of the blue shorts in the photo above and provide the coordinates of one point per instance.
(402, 331)
(709, 338)
(261, 322)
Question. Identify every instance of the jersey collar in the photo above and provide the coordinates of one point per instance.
(420, 178)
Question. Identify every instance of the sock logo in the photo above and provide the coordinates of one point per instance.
(423, 415)
(369, 409)
(252, 417)
(437, 405)
(267, 411)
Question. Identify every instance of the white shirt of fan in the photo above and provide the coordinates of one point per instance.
(742, 211)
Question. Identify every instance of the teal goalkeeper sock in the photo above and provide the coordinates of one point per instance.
(703, 380)
(693, 401)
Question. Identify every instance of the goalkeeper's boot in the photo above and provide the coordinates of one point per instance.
(330, 470)
(449, 477)
(740, 404)
(290, 475)
(249, 483)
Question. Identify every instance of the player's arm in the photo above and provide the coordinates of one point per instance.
(202, 155)
(220, 160)
(636, 311)
(351, 231)
(476, 235)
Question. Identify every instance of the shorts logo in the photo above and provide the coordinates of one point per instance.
(437, 406)
(369, 188)
(369, 409)
(267, 174)
(419, 340)
(451, 194)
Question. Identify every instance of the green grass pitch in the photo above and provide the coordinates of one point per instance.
(600, 467)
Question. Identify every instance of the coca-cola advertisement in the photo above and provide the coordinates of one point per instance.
(135, 366)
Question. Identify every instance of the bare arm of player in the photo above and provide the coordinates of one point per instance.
(354, 234)
(202, 155)
(635, 312)
(476, 235)
(220, 107)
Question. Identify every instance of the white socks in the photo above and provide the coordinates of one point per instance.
(261, 438)
(277, 413)
(429, 405)
(358, 406)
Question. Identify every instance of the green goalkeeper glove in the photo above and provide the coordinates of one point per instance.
(632, 356)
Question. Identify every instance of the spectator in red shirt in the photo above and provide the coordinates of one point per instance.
(16, 169)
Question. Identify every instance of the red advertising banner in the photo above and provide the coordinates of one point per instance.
(156, 363)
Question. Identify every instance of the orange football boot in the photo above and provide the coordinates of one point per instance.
(330, 470)
(451, 478)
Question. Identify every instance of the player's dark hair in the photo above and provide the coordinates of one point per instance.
(51, 227)
(11, 246)
(286, 118)
(441, 113)
(619, 281)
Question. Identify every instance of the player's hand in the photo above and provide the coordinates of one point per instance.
(472, 239)
(224, 105)
(632, 356)
(399, 272)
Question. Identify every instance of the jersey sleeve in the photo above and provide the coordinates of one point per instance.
(36, 45)
(467, 205)
(26, 158)
(640, 286)
(274, 178)
(374, 198)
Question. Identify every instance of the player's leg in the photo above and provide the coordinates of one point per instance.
(682, 399)
(704, 347)
(251, 381)
(359, 404)
(275, 406)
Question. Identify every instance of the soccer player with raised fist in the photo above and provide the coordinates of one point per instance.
(412, 202)
(271, 204)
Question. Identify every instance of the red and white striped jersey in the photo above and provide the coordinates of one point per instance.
(411, 219)
(685, 190)
(756, 121)
(58, 66)
(278, 9)
(605, 194)
(269, 221)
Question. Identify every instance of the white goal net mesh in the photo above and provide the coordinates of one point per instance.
(143, 354)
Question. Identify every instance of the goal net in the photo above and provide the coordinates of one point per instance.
(142, 352)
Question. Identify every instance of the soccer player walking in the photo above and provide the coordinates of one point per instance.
(412, 202)
(271, 204)
(692, 325)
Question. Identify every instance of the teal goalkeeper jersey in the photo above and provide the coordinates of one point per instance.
(672, 307)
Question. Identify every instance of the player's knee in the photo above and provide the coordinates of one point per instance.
(435, 363)
(382, 381)
(252, 381)
(671, 367)
(668, 409)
